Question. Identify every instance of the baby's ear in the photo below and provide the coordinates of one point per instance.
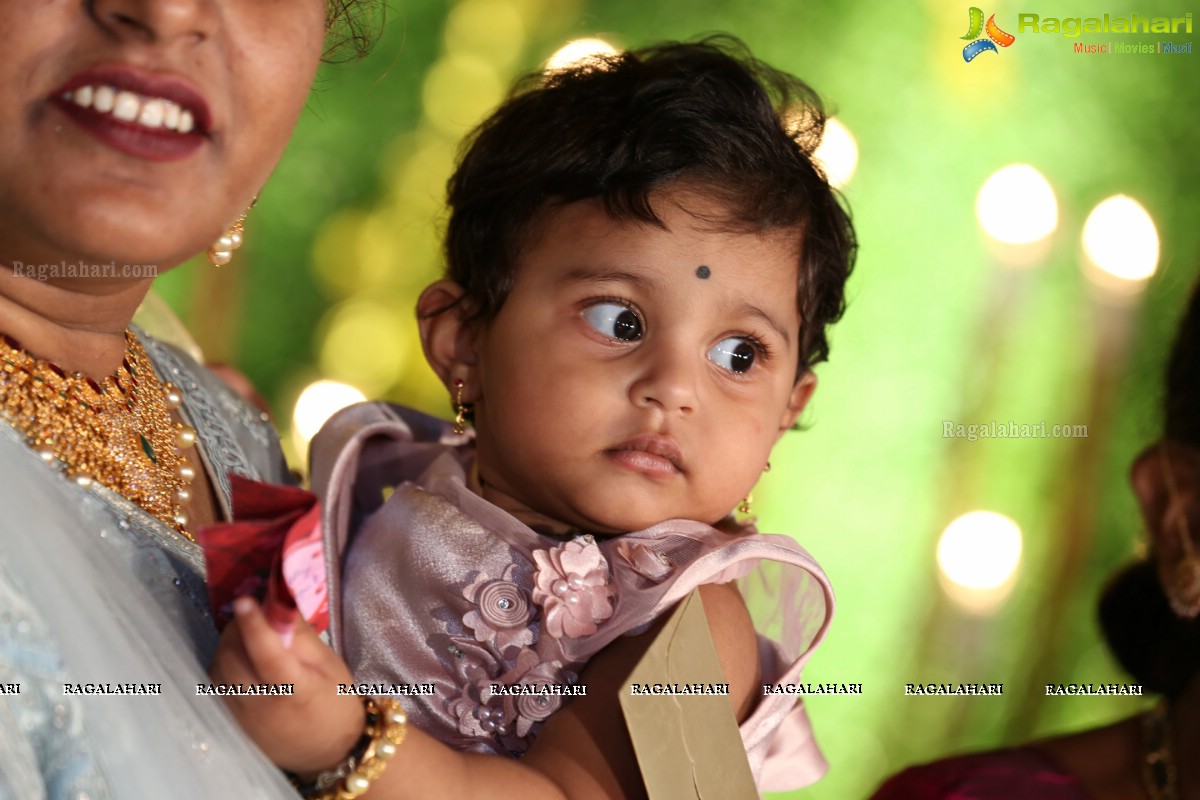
(801, 393)
(448, 335)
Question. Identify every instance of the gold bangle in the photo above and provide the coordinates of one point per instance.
(387, 725)
(388, 732)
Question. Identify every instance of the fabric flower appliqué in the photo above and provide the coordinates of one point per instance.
(534, 708)
(645, 561)
(479, 714)
(494, 710)
(572, 587)
(502, 614)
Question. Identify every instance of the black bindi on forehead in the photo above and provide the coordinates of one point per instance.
(703, 272)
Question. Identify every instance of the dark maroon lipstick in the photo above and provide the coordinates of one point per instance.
(144, 114)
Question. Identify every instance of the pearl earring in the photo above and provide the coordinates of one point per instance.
(220, 252)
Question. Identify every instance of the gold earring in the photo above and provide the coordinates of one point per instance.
(767, 468)
(220, 252)
(460, 410)
(744, 506)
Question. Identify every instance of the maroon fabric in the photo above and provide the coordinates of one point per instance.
(999, 775)
(247, 556)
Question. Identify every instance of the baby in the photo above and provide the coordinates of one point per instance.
(642, 262)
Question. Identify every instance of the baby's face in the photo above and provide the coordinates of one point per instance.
(636, 374)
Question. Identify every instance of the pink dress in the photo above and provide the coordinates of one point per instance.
(436, 585)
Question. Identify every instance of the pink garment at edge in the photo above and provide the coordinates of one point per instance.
(437, 585)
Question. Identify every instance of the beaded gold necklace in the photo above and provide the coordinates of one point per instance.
(118, 433)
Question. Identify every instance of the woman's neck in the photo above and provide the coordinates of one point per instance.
(77, 324)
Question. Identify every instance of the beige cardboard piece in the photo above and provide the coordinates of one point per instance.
(687, 746)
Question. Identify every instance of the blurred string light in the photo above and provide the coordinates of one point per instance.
(368, 343)
(837, 153)
(578, 51)
(318, 402)
(375, 260)
(1016, 206)
(459, 90)
(1120, 245)
(493, 30)
(978, 555)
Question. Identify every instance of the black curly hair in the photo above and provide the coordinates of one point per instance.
(618, 128)
(353, 28)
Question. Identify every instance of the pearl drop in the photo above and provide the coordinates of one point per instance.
(488, 726)
(182, 495)
(575, 582)
(235, 239)
(187, 473)
(83, 479)
(224, 243)
(385, 750)
(185, 437)
(397, 717)
(559, 587)
(572, 599)
(181, 519)
(46, 454)
(502, 730)
(172, 395)
(220, 257)
(356, 784)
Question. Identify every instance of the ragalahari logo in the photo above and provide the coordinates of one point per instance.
(994, 37)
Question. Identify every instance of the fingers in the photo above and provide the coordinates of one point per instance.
(266, 652)
(312, 651)
(230, 663)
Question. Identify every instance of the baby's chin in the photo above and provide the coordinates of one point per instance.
(630, 521)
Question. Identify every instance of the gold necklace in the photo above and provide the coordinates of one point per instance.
(118, 433)
(1158, 770)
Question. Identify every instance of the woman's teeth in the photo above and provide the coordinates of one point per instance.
(149, 112)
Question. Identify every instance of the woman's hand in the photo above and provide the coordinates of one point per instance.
(312, 729)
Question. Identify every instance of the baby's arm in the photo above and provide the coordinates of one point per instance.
(583, 752)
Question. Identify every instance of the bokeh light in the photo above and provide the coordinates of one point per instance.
(368, 343)
(578, 50)
(490, 29)
(978, 555)
(1016, 205)
(1121, 241)
(837, 153)
(459, 90)
(318, 402)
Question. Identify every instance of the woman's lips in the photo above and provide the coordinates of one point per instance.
(142, 114)
(650, 454)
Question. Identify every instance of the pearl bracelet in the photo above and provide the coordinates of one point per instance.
(385, 730)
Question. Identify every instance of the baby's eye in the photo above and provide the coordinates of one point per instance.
(614, 320)
(734, 354)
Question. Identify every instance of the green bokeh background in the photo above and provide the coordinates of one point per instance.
(345, 236)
